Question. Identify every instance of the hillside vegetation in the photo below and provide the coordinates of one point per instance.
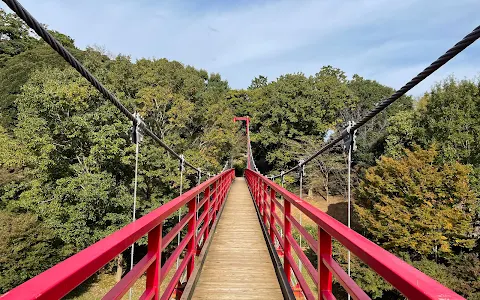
(67, 160)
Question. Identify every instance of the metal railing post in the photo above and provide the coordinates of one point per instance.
(272, 211)
(222, 192)
(206, 207)
(224, 184)
(257, 185)
(286, 243)
(153, 272)
(265, 197)
(192, 224)
(259, 180)
(324, 249)
(214, 200)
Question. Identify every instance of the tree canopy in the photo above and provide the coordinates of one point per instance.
(67, 159)
(411, 204)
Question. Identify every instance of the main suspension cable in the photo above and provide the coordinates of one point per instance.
(439, 62)
(60, 49)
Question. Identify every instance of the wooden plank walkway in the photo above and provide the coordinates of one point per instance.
(238, 265)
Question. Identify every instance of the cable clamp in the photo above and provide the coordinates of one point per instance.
(182, 163)
(137, 134)
(350, 139)
(302, 166)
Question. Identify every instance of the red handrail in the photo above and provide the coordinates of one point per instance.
(57, 281)
(406, 279)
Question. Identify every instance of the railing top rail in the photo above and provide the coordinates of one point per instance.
(409, 281)
(69, 273)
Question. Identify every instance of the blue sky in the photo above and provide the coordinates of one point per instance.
(390, 41)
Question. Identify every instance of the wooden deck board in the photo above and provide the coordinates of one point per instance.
(238, 265)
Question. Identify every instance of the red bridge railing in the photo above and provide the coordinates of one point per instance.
(57, 281)
(406, 279)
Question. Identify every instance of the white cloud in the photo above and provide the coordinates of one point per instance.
(389, 41)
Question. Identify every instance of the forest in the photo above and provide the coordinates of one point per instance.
(67, 159)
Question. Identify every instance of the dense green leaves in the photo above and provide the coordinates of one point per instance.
(295, 110)
(413, 205)
(371, 137)
(27, 247)
(289, 111)
(15, 36)
(451, 117)
(67, 161)
(425, 202)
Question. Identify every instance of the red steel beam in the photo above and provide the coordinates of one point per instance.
(174, 231)
(411, 282)
(57, 281)
(346, 281)
(310, 240)
(306, 262)
(301, 280)
(130, 278)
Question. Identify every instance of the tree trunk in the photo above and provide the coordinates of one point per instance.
(326, 186)
(119, 274)
(326, 191)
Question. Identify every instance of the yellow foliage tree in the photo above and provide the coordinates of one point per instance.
(413, 204)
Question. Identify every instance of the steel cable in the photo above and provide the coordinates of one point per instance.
(135, 187)
(439, 62)
(182, 162)
(60, 49)
(349, 207)
(252, 160)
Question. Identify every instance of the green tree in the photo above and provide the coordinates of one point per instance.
(188, 109)
(258, 82)
(240, 102)
(25, 248)
(370, 138)
(76, 182)
(450, 117)
(293, 109)
(464, 269)
(15, 36)
(402, 132)
(73, 150)
(413, 205)
(14, 162)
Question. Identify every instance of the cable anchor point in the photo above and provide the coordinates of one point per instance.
(182, 163)
(301, 167)
(137, 134)
(349, 141)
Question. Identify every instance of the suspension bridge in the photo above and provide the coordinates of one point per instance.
(238, 242)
